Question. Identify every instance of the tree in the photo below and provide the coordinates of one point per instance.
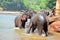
(15, 5)
(39, 4)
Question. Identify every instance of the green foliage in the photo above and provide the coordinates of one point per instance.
(39, 4)
(51, 3)
(27, 4)
(12, 5)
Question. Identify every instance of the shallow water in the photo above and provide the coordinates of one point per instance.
(7, 31)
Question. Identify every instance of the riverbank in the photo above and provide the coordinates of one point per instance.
(11, 12)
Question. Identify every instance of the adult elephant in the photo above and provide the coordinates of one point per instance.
(20, 20)
(40, 22)
(30, 13)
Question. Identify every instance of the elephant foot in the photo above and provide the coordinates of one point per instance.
(32, 31)
(23, 27)
(28, 31)
(46, 34)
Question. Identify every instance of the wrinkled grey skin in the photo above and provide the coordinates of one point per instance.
(40, 22)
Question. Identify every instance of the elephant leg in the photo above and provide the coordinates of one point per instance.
(23, 25)
(29, 30)
(46, 29)
(16, 23)
(20, 25)
(33, 28)
(30, 26)
(40, 29)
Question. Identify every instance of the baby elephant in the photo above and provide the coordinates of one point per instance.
(40, 22)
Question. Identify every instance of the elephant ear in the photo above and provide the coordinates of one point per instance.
(46, 12)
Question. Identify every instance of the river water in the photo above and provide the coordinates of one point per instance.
(7, 31)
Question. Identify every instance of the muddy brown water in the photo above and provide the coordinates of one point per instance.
(7, 31)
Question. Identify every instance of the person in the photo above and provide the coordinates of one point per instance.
(52, 13)
(53, 10)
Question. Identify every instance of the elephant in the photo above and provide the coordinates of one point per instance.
(40, 22)
(20, 20)
(30, 13)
